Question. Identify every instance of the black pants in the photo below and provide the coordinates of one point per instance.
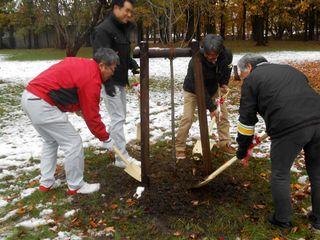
(284, 150)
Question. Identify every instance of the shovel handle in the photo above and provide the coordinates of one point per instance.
(117, 151)
(223, 167)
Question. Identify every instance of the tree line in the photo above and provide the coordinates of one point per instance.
(162, 21)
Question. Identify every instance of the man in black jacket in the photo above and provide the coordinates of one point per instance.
(291, 110)
(216, 63)
(114, 33)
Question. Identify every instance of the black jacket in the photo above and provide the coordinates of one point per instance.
(115, 35)
(282, 96)
(213, 74)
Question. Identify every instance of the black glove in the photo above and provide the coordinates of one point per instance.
(244, 143)
(135, 71)
(241, 153)
(109, 87)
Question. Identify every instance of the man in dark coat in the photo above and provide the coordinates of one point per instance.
(216, 63)
(114, 33)
(291, 111)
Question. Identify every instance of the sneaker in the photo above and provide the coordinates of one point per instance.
(56, 184)
(134, 161)
(315, 222)
(119, 163)
(276, 223)
(87, 188)
(227, 148)
(180, 155)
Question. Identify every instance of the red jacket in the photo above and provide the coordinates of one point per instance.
(73, 84)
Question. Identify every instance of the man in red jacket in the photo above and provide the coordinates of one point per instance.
(72, 85)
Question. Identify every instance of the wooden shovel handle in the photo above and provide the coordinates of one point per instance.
(117, 151)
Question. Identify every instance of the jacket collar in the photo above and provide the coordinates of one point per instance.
(119, 24)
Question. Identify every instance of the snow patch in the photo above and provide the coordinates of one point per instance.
(34, 222)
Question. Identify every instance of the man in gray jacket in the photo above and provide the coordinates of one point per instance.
(114, 33)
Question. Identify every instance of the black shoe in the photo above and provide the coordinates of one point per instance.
(276, 223)
(315, 222)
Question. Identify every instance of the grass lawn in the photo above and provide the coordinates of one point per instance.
(235, 46)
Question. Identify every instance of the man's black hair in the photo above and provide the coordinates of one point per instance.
(120, 3)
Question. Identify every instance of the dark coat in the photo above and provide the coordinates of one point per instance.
(113, 34)
(213, 75)
(282, 96)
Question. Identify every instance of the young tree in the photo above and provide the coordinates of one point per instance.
(73, 19)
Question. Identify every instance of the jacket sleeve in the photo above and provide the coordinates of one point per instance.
(191, 86)
(101, 39)
(133, 64)
(89, 98)
(226, 68)
(247, 119)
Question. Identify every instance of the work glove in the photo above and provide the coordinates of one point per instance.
(136, 87)
(108, 144)
(135, 71)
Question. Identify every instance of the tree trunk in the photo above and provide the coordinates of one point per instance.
(198, 35)
(147, 34)
(209, 22)
(36, 40)
(223, 20)
(266, 20)
(154, 33)
(12, 40)
(311, 23)
(29, 45)
(140, 31)
(305, 35)
(258, 29)
(244, 17)
(190, 24)
(317, 25)
(1, 41)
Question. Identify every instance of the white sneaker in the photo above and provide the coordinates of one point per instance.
(87, 188)
(134, 161)
(56, 184)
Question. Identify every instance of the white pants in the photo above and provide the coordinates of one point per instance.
(116, 107)
(56, 131)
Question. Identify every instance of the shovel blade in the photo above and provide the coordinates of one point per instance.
(134, 171)
(197, 149)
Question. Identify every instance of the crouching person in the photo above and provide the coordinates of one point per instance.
(291, 111)
(216, 63)
(72, 85)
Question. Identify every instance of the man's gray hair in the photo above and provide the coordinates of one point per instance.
(106, 56)
(213, 43)
(252, 59)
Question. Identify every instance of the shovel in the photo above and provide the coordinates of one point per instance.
(223, 167)
(132, 169)
(197, 149)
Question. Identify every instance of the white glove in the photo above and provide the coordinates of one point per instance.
(136, 87)
(108, 144)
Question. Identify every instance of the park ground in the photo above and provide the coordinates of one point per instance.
(234, 206)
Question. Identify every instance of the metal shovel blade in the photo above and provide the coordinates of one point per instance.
(223, 167)
(132, 169)
(197, 149)
(216, 172)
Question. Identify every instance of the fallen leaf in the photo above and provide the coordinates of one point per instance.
(33, 183)
(21, 211)
(114, 206)
(93, 224)
(296, 186)
(247, 185)
(177, 233)
(130, 202)
(294, 229)
(259, 206)
(110, 229)
(195, 203)
(263, 174)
